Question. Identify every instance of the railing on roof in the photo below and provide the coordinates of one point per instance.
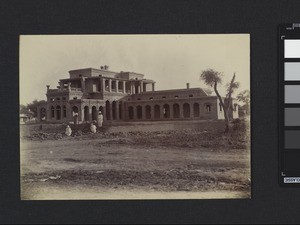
(64, 89)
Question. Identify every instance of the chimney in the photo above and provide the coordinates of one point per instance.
(48, 86)
(187, 85)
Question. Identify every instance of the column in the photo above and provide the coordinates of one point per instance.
(124, 86)
(104, 113)
(117, 86)
(152, 112)
(142, 86)
(124, 110)
(82, 84)
(82, 113)
(171, 111)
(133, 88)
(153, 86)
(103, 85)
(180, 111)
(161, 112)
(109, 85)
(90, 113)
(143, 112)
(110, 111)
(117, 110)
(192, 110)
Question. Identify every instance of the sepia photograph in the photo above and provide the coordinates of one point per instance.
(113, 117)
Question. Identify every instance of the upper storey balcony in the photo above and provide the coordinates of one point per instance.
(64, 90)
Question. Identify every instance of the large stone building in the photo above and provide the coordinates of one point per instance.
(125, 96)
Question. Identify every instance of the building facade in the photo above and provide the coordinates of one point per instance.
(125, 96)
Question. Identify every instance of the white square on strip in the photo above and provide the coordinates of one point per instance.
(292, 48)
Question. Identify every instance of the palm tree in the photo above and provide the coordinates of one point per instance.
(212, 78)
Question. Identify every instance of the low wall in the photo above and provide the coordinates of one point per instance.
(124, 127)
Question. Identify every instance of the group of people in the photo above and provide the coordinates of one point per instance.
(93, 127)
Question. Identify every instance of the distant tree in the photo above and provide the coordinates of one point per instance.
(244, 96)
(23, 109)
(33, 106)
(212, 78)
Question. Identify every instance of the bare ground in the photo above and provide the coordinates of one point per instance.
(187, 163)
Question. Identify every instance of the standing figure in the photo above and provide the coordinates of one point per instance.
(68, 131)
(75, 118)
(100, 119)
(93, 128)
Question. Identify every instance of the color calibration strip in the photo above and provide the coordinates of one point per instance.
(289, 107)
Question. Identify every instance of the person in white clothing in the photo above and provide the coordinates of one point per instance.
(68, 131)
(100, 119)
(93, 128)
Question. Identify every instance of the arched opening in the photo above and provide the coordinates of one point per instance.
(136, 87)
(113, 85)
(106, 84)
(208, 108)
(114, 110)
(196, 110)
(148, 112)
(101, 109)
(156, 112)
(107, 111)
(139, 112)
(120, 111)
(166, 111)
(52, 112)
(86, 113)
(94, 113)
(186, 110)
(64, 111)
(176, 110)
(75, 114)
(120, 86)
(74, 110)
(42, 114)
(130, 112)
(58, 112)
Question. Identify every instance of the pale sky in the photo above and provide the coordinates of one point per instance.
(170, 60)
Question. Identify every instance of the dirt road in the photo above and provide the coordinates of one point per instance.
(152, 165)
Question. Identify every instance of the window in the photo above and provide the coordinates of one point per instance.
(176, 96)
(64, 98)
(151, 98)
(208, 108)
(74, 98)
(164, 97)
(191, 96)
(138, 99)
(57, 99)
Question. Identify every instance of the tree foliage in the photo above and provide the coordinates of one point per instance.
(31, 107)
(212, 78)
(244, 97)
